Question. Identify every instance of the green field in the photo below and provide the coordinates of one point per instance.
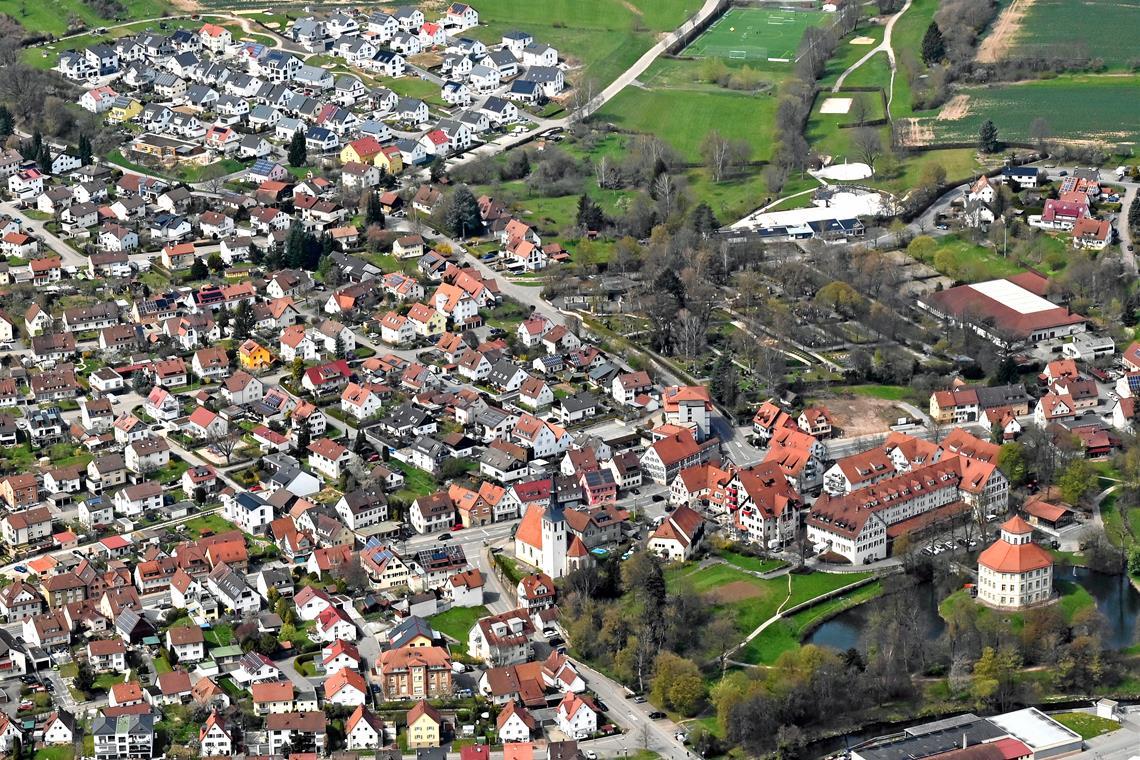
(1086, 107)
(51, 16)
(962, 260)
(1103, 29)
(683, 116)
(755, 34)
(751, 600)
(605, 36)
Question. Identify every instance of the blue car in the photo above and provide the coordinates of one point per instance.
(20, 569)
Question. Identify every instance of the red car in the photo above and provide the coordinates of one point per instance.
(457, 526)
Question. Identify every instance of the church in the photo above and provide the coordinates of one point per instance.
(543, 541)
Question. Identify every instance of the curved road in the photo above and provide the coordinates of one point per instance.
(883, 47)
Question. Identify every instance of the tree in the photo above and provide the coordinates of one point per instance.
(1039, 132)
(995, 677)
(868, 144)
(243, 321)
(988, 137)
(215, 263)
(933, 46)
(462, 217)
(860, 109)
(1007, 371)
(84, 149)
(298, 150)
(840, 297)
(6, 123)
(1077, 481)
(199, 270)
(373, 213)
(1011, 462)
(703, 220)
(84, 676)
(590, 214)
(297, 369)
(225, 444)
(677, 683)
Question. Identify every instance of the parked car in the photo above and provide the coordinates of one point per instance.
(656, 715)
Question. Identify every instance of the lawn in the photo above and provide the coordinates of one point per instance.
(1095, 28)
(746, 562)
(753, 600)
(683, 115)
(1109, 110)
(787, 633)
(907, 35)
(56, 752)
(883, 392)
(186, 173)
(219, 635)
(458, 621)
(417, 482)
(51, 16)
(104, 681)
(964, 261)
(208, 524)
(1085, 724)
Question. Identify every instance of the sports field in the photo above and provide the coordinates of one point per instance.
(755, 34)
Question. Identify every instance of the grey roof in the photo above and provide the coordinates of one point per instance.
(934, 742)
(142, 723)
(408, 629)
(542, 74)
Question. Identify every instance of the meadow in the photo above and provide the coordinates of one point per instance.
(604, 36)
(51, 16)
(1108, 110)
(1103, 29)
(755, 34)
(683, 115)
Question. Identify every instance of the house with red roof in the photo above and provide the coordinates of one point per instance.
(1014, 572)
(678, 535)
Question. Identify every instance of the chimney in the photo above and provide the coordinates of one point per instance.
(965, 742)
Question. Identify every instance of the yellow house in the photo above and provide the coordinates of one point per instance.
(423, 726)
(427, 321)
(390, 160)
(253, 355)
(361, 151)
(124, 109)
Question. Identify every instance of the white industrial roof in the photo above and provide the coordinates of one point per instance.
(1035, 729)
(1013, 296)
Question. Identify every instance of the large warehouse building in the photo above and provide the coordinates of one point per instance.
(1009, 312)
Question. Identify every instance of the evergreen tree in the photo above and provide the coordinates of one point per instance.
(723, 385)
(933, 46)
(988, 137)
(298, 151)
(1006, 372)
(36, 146)
(703, 220)
(669, 282)
(243, 321)
(590, 214)
(7, 124)
(373, 213)
(199, 270)
(223, 319)
(84, 150)
(304, 437)
(43, 160)
(294, 255)
(462, 217)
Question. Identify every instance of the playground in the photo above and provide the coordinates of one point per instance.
(756, 34)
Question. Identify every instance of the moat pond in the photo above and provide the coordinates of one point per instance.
(1115, 597)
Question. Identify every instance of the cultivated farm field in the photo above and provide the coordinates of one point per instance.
(1095, 28)
(1108, 110)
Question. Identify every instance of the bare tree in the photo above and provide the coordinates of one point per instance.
(860, 109)
(868, 145)
(715, 152)
(582, 99)
(225, 444)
